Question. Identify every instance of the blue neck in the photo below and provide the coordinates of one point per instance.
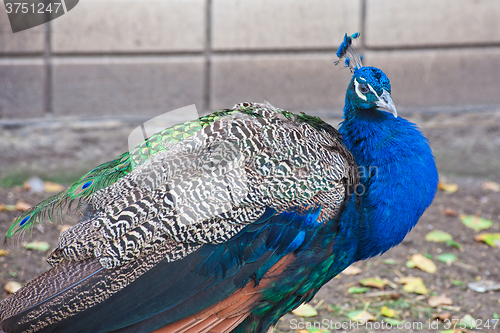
(398, 178)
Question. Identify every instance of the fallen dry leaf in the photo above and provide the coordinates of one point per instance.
(469, 321)
(483, 286)
(447, 258)
(435, 301)
(413, 285)
(391, 313)
(305, 310)
(39, 246)
(352, 270)
(357, 290)
(8, 208)
(361, 316)
(3, 252)
(442, 316)
(373, 282)
(438, 236)
(491, 186)
(451, 308)
(423, 263)
(12, 286)
(492, 240)
(448, 188)
(476, 222)
(22, 206)
(390, 262)
(450, 212)
(50, 187)
(442, 237)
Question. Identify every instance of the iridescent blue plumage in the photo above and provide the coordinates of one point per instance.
(307, 215)
(404, 177)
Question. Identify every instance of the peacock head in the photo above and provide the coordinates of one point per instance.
(370, 89)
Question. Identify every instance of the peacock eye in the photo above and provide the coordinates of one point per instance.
(364, 88)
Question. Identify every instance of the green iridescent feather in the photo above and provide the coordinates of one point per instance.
(99, 178)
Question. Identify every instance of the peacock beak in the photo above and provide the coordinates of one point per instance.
(385, 103)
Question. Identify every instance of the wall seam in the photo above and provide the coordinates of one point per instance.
(47, 103)
(208, 57)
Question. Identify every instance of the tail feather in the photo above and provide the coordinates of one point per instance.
(49, 285)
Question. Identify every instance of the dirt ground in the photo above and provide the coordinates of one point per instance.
(477, 261)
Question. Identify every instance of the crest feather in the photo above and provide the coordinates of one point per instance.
(347, 51)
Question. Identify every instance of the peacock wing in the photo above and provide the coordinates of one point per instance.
(208, 187)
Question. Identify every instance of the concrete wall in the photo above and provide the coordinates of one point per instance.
(135, 59)
(129, 57)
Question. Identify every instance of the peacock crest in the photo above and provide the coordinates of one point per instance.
(346, 51)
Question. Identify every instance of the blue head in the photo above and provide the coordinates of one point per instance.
(370, 89)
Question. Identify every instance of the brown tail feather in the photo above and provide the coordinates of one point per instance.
(226, 315)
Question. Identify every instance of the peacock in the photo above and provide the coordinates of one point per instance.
(228, 222)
